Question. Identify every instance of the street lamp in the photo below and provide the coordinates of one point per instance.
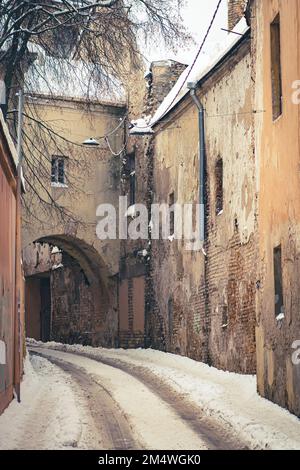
(91, 142)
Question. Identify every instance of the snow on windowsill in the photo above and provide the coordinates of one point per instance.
(58, 185)
(130, 211)
(280, 317)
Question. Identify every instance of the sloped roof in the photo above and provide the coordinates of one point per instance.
(198, 71)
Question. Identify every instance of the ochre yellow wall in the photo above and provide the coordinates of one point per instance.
(277, 151)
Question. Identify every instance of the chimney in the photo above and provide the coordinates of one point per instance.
(236, 10)
(161, 78)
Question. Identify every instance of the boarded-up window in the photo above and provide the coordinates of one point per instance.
(279, 308)
(276, 68)
(219, 186)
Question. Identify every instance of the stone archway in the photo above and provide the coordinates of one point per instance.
(83, 294)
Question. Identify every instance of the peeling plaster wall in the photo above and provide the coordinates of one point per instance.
(277, 150)
(231, 241)
(195, 287)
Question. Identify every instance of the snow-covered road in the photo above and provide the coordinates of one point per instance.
(93, 398)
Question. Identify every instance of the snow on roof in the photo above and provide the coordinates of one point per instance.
(197, 72)
(141, 126)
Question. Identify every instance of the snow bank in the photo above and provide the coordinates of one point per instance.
(47, 417)
(227, 397)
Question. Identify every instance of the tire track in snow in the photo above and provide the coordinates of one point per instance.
(206, 428)
(107, 417)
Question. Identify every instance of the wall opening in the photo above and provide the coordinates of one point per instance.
(58, 170)
(172, 213)
(170, 318)
(278, 286)
(224, 316)
(132, 179)
(219, 186)
(38, 307)
(276, 74)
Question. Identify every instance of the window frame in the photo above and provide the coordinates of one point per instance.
(58, 181)
(276, 67)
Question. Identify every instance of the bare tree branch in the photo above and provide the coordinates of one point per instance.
(92, 45)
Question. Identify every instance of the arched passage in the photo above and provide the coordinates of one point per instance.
(70, 295)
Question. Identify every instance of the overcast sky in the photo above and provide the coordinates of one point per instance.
(197, 15)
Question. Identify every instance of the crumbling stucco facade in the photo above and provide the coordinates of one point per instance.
(277, 152)
(135, 290)
(203, 303)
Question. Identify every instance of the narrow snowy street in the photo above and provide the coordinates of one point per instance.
(93, 398)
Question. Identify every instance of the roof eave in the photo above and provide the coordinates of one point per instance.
(207, 75)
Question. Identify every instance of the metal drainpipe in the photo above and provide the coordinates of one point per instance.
(201, 159)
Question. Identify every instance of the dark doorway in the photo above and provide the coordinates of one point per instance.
(45, 309)
(38, 307)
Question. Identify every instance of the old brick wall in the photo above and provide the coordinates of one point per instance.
(161, 77)
(135, 267)
(72, 307)
(177, 296)
(81, 310)
(204, 301)
(231, 244)
(75, 317)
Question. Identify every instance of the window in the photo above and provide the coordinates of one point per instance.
(172, 213)
(58, 176)
(132, 179)
(279, 308)
(170, 317)
(219, 186)
(224, 310)
(276, 68)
